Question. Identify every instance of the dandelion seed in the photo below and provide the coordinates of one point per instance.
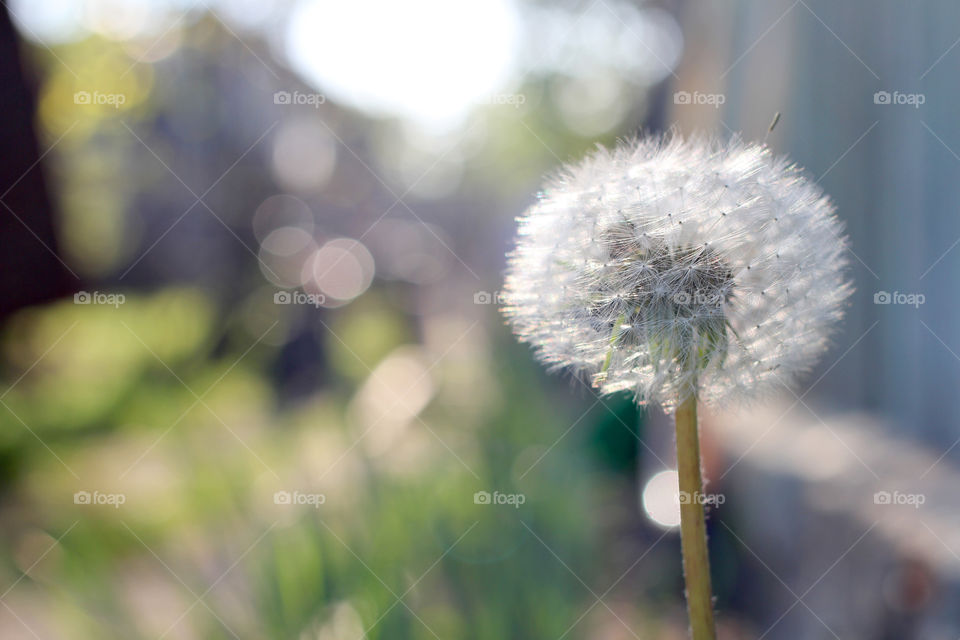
(712, 308)
(724, 307)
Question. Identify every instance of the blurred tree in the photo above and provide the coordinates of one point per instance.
(31, 270)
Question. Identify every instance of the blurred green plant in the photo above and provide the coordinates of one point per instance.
(136, 400)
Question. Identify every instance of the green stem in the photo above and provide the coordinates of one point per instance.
(693, 525)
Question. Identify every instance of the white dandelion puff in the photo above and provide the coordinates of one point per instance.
(669, 267)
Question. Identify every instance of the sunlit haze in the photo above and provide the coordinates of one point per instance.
(429, 60)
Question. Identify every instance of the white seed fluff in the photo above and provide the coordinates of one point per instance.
(667, 267)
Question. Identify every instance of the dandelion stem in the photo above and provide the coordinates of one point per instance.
(693, 526)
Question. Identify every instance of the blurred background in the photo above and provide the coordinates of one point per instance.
(255, 381)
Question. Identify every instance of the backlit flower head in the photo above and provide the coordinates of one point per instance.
(667, 267)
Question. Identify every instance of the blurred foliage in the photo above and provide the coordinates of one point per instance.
(131, 400)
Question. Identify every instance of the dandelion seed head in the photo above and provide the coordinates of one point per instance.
(667, 267)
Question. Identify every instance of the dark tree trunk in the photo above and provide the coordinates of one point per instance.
(31, 270)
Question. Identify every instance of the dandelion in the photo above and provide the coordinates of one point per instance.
(680, 271)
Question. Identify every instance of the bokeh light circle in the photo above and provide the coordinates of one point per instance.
(661, 499)
(340, 270)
